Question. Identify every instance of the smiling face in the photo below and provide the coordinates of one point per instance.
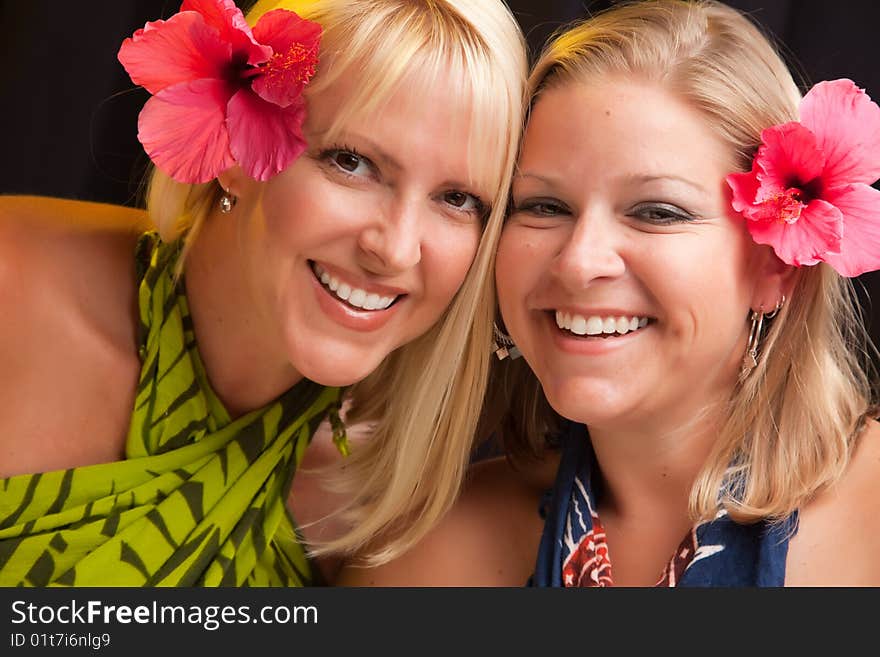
(360, 245)
(623, 275)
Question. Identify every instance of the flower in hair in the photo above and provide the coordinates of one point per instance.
(222, 94)
(809, 193)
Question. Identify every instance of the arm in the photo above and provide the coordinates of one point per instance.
(45, 212)
(838, 540)
(67, 340)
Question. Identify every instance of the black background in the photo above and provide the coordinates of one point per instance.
(68, 111)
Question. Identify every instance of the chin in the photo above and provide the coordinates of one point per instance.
(334, 370)
(587, 402)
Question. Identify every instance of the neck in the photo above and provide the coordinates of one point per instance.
(648, 467)
(240, 348)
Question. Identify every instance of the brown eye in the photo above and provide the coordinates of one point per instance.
(347, 161)
(464, 202)
(458, 199)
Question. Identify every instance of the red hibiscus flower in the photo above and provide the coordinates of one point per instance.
(808, 194)
(222, 94)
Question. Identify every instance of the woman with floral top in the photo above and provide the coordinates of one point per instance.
(674, 271)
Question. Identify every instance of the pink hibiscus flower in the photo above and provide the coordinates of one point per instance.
(222, 94)
(808, 194)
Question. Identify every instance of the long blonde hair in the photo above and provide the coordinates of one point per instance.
(790, 427)
(426, 396)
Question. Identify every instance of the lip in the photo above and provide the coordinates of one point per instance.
(341, 313)
(589, 345)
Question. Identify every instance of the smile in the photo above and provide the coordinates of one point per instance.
(355, 297)
(596, 325)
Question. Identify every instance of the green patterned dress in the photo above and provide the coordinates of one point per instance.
(199, 499)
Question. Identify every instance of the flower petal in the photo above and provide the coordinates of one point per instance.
(263, 137)
(860, 246)
(847, 127)
(165, 53)
(295, 43)
(183, 130)
(806, 241)
(226, 17)
(745, 189)
(788, 157)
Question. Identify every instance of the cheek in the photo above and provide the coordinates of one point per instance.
(448, 254)
(506, 284)
(302, 202)
(523, 258)
(283, 212)
(706, 293)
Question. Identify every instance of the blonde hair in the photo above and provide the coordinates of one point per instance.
(426, 395)
(790, 427)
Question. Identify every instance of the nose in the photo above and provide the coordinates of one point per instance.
(392, 242)
(592, 252)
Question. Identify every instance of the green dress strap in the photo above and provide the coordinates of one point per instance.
(199, 499)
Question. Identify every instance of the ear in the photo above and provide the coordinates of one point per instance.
(773, 280)
(234, 181)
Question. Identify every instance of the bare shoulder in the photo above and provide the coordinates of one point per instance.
(67, 341)
(489, 538)
(73, 245)
(838, 539)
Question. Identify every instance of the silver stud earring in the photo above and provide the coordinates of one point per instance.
(502, 344)
(227, 202)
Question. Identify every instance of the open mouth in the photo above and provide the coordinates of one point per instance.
(596, 326)
(350, 295)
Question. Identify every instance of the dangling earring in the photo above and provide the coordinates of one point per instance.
(502, 344)
(227, 202)
(750, 359)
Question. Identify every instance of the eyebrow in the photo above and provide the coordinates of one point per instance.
(544, 179)
(642, 179)
(634, 179)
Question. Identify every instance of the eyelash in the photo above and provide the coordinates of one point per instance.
(664, 213)
(480, 209)
(533, 207)
(668, 214)
(328, 155)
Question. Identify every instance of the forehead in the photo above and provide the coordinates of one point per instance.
(430, 111)
(622, 126)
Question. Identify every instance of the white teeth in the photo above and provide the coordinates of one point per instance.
(353, 295)
(357, 298)
(594, 325)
